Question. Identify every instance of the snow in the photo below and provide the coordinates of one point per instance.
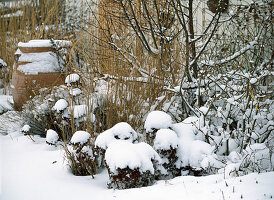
(44, 43)
(72, 78)
(187, 129)
(16, 14)
(52, 137)
(122, 154)
(79, 111)
(34, 170)
(157, 120)
(75, 91)
(25, 128)
(44, 62)
(165, 139)
(80, 137)
(199, 150)
(120, 131)
(60, 105)
(2, 63)
(5, 103)
(104, 139)
(253, 80)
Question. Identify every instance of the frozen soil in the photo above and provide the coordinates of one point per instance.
(34, 170)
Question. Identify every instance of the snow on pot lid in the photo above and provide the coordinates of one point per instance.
(44, 43)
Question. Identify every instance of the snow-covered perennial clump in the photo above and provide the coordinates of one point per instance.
(52, 137)
(80, 137)
(130, 165)
(166, 144)
(155, 121)
(80, 154)
(120, 131)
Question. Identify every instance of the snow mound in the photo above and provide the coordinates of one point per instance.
(5, 103)
(157, 120)
(44, 43)
(104, 139)
(193, 153)
(121, 131)
(122, 154)
(75, 91)
(44, 62)
(2, 63)
(80, 137)
(72, 78)
(25, 128)
(52, 137)
(60, 105)
(165, 139)
(188, 129)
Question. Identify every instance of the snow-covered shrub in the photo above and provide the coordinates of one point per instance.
(197, 157)
(257, 158)
(39, 115)
(6, 103)
(155, 121)
(166, 145)
(4, 76)
(80, 154)
(120, 131)
(131, 165)
(52, 137)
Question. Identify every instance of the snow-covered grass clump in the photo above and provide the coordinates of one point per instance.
(130, 165)
(52, 137)
(80, 137)
(157, 120)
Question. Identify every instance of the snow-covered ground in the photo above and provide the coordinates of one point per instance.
(36, 171)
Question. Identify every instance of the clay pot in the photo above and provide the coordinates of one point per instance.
(35, 49)
(26, 86)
